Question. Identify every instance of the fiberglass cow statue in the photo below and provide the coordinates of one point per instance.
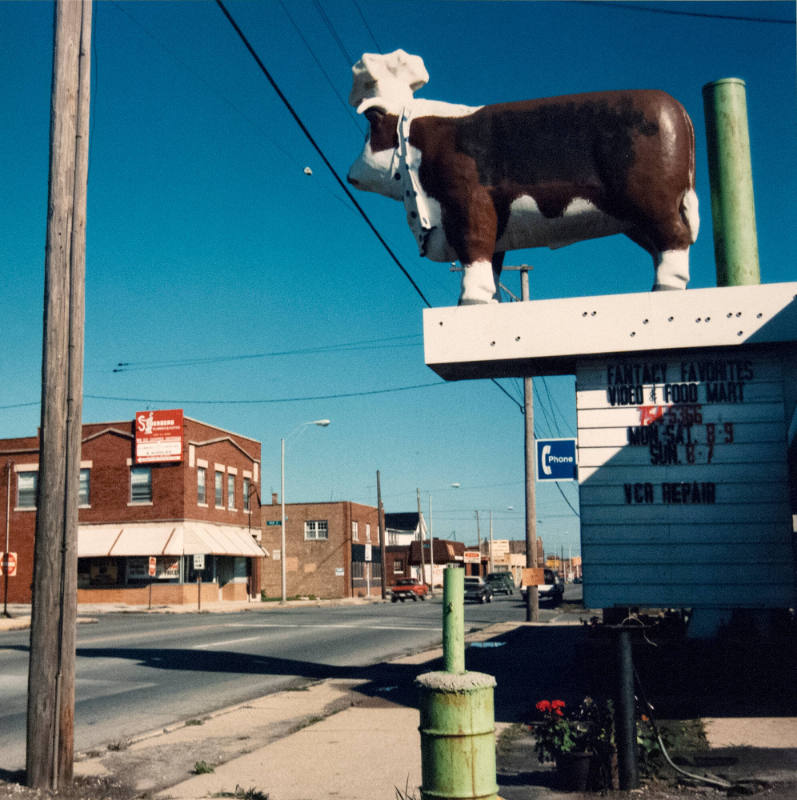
(478, 181)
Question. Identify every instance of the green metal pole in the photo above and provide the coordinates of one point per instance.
(731, 177)
(454, 620)
(457, 713)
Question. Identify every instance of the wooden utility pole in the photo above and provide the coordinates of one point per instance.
(51, 672)
(532, 597)
(380, 516)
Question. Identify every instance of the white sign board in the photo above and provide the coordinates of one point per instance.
(199, 561)
(683, 480)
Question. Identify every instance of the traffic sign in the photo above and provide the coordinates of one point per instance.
(8, 564)
(556, 459)
(152, 566)
(273, 522)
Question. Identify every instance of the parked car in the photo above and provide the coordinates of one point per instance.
(408, 589)
(476, 589)
(552, 589)
(500, 582)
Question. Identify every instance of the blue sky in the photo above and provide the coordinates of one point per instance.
(209, 248)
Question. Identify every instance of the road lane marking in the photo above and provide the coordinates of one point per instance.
(339, 625)
(312, 625)
(225, 643)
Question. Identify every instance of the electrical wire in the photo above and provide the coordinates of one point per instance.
(349, 110)
(712, 781)
(266, 401)
(633, 7)
(333, 33)
(318, 149)
(332, 170)
(367, 27)
(364, 344)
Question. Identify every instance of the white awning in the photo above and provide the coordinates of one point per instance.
(165, 538)
(205, 537)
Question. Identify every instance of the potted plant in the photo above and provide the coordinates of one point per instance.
(580, 742)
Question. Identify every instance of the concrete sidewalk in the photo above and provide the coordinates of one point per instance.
(360, 741)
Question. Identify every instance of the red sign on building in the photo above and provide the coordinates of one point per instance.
(159, 436)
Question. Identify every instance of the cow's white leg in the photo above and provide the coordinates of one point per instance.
(478, 284)
(672, 269)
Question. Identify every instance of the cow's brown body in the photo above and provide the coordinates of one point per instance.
(479, 181)
(630, 154)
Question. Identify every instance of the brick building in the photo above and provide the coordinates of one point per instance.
(148, 505)
(332, 550)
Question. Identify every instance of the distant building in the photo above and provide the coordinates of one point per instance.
(402, 527)
(445, 553)
(163, 501)
(332, 550)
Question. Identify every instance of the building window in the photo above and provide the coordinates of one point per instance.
(316, 529)
(231, 492)
(140, 484)
(26, 489)
(398, 566)
(247, 489)
(201, 486)
(84, 492)
(219, 489)
(355, 532)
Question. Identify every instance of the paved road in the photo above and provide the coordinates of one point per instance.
(138, 672)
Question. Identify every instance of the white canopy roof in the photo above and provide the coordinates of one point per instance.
(166, 539)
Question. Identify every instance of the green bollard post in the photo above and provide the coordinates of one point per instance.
(454, 620)
(457, 714)
(731, 179)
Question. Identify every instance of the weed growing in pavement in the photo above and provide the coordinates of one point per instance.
(243, 794)
(194, 722)
(203, 768)
(405, 795)
(118, 745)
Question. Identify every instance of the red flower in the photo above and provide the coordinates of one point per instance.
(557, 706)
(544, 705)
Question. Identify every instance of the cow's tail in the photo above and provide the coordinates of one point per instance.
(690, 213)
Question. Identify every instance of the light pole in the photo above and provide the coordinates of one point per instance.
(322, 423)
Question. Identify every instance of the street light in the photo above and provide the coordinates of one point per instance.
(322, 423)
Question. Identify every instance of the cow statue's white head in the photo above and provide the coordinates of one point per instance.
(392, 77)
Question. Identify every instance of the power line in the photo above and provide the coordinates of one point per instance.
(367, 27)
(333, 33)
(633, 7)
(349, 110)
(318, 149)
(267, 401)
(329, 166)
(364, 344)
